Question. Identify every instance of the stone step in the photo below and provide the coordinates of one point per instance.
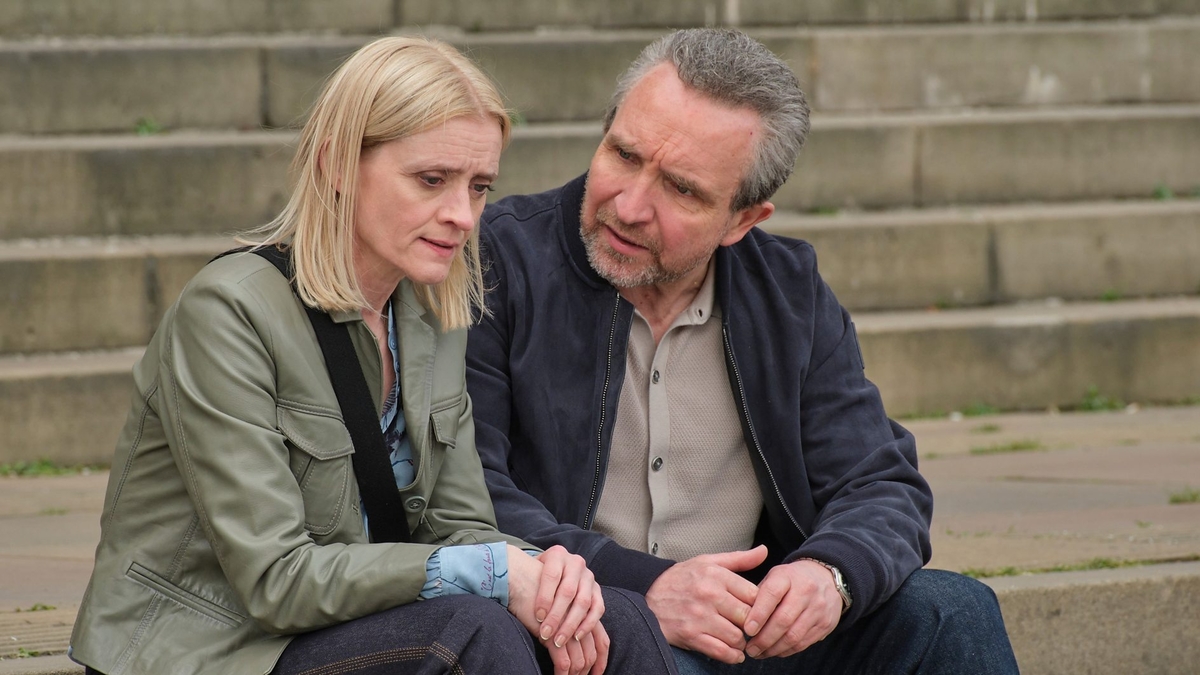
(196, 17)
(1034, 356)
(66, 407)
(93, 294)
(1134, 620)
(205, 17)
(212, 182)
(41, 665)
(69, 407)
(958, 257)
(246, 82)
(79, 294)
(1095, 494)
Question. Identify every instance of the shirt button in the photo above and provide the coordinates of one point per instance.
(654, 378)
(415, 503)
(656, 464)
(654, 549)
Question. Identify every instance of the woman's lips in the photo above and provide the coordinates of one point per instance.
(441, 247)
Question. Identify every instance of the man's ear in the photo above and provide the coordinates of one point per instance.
(746, 219)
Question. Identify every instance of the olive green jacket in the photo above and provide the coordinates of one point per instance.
(232, 518)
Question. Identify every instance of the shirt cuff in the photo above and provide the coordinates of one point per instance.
(477, 569)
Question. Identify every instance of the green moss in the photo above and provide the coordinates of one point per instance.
(46, 467)
(1002, 448)
(1094, 401)
(146, 126)
(1188, 495)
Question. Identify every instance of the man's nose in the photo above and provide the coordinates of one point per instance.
(634, 204)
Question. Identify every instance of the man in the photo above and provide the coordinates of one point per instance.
(675, 395)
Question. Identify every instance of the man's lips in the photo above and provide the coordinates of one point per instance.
(621, 244)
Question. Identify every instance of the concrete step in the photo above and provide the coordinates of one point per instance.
(966, 256)
(42, 665)
(1136, 620)
(1034, 356)
(185, 183)
(93, 294)
(522, 14)
(69, 407)
(1139, 620)
(244, 82)
(195, 17)
(210, 182)
(104, 293)
(1095, 495)
(198, 17)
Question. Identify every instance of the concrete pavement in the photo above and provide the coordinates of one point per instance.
(1014, 493)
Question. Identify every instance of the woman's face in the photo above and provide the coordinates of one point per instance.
(418, 199)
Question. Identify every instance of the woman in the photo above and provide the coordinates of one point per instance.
(234, 536)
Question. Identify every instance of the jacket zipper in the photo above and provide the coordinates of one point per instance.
(737, 375)
(612, 335)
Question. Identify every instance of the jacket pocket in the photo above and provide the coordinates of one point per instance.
(443, 421)
(159, 584)
(320, 449)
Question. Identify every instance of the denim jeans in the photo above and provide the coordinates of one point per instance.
(938, 623)
(468, 634)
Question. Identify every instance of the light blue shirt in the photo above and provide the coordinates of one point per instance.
(479, 569)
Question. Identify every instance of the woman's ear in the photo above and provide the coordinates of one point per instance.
(321, 166)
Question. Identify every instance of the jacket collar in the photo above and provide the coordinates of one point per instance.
(417, 342)
(416, 339)
(570, 203)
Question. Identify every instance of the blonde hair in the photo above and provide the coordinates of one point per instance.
(391, 88)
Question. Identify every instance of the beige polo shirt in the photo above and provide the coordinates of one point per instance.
(679, 480)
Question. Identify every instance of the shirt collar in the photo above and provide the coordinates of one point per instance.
(704, 304)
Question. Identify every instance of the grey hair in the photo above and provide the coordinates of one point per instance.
(731, 67)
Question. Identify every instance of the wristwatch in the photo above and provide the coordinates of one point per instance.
(838, 582)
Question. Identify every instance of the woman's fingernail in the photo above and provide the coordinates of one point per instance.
(560, 641)
(579, 636)
(541, 615)
(545, 633)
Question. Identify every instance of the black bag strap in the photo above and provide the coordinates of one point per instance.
(372, 465)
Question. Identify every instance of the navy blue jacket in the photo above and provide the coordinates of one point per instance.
(839, 479)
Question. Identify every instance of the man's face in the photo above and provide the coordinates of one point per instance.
(661, 183)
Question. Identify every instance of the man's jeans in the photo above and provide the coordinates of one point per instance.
(938, 623)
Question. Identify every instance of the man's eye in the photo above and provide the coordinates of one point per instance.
(431, 180)
(624, 154)
(482, 188)
(682, 189)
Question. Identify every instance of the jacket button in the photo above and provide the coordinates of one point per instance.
(654, 377)
(654, 549)
(656, 464)
(415, 503)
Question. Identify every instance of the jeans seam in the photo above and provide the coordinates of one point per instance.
(649, 627)
(358, 662)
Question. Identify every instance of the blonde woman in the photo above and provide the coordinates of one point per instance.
(235, 538)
